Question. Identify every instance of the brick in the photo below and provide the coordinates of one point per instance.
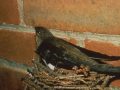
(101, 16)
(105, 48)
(17, 46)
(9, 12)
(11, 80)
(116, 83)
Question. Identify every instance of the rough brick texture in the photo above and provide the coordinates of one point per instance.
(95, 16)
(101, 16)
(9, 12)
(11, 80)
(105, 48)
(17, 46)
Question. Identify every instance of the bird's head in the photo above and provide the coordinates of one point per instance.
(43, 33)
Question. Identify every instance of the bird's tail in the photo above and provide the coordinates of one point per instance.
(105, 68)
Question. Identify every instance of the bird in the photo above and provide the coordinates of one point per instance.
(57, 52)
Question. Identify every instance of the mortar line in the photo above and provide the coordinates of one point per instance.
(80, 37)
(19, 28)
(21, 12)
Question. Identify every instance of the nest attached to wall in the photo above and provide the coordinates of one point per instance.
(78, 78)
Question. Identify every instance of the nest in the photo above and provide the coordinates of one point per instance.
(78, 78)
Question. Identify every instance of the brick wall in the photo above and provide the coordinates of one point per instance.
(93, 24)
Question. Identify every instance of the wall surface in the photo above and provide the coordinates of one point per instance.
(93, 24)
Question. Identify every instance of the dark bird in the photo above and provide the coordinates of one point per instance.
(60, 53)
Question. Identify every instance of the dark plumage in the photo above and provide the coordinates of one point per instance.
(64, 54)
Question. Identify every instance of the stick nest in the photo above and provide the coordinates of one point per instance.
(78, 78)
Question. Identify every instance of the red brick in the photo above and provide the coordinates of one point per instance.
(9, 12)
(17, 46)
(101, 16)
(105, 48)
(11, 80)
(116, 83)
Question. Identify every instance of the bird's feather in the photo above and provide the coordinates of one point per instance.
(56, 50)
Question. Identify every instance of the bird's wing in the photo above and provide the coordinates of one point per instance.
(67, 50)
